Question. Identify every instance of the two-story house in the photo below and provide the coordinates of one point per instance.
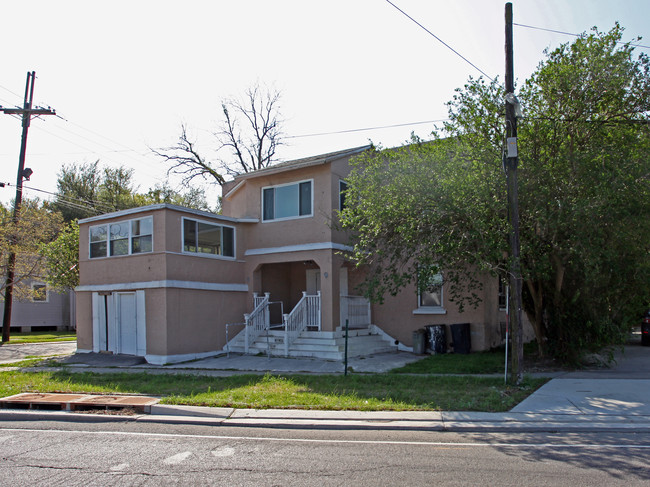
(174, 284)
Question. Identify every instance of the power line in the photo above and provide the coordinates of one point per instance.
(570, 34)
(348, 131)
(441, 41)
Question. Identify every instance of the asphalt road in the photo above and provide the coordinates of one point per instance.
(129, 453)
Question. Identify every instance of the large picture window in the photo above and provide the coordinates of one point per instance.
(208, 238)
(122, 238)
(287, 201)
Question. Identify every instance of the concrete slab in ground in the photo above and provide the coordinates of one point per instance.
(14, 352)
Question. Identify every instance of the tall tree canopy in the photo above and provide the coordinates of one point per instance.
(584, 148)
(87, 189)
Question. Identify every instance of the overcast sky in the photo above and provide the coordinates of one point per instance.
(124, 75)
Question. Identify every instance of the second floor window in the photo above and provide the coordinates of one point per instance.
(287, 201)
(207, 238)
(122, 238)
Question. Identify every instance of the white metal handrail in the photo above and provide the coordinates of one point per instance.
(355, 309)
(257, 321)
(306, 313)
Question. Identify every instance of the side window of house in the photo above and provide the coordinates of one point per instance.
(430, 288)
(343, 186)
(122, 238)
(287, 201)
(502, 295)
(208, 238)
(39, 293)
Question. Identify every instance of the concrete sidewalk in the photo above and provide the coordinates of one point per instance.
(616, 398)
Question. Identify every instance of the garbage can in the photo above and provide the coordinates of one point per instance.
(645, 330)
(461, 338)
(436, 339)
(419, 338)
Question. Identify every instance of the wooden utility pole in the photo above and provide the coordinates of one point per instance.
(27, 113)
(513, 204)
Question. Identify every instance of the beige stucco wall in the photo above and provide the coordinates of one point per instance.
(178, 321)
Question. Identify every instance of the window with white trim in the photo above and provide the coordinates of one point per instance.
(430, 292)
(207, 238)
(286, 201)
(122, 238)
(39, 292)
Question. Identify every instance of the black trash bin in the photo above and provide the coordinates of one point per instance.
(436, 339)
(460, 335)
(419, 341)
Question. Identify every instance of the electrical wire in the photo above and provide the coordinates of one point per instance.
(570, 34)
(441, 41)
(348, 131)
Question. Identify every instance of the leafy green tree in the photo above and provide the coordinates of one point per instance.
(164, 193)
(61, 258)
(86, 190)
(37, 225)
(584, 196)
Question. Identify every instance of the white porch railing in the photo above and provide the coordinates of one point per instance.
(355, 309)
(306, 313)
(257, 321)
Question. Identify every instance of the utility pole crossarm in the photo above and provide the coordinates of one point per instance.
(30, 111)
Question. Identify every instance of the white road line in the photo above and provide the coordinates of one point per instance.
(354, 442)
(120, 467)
(178, 458)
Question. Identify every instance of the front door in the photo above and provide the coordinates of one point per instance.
(126, 323)
(313, 281)
(119, 323)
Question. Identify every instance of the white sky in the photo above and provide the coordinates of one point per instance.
(125, 74)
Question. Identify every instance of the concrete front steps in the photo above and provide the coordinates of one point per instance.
(326, 345)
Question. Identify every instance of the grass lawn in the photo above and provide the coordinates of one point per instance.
(43, 336)
(490, 362)
(395, 392)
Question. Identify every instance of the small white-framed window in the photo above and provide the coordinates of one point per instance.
(430, 291)
(121, 238)
(343, 186)
(40, 292)
(286, 201)
(205, 238)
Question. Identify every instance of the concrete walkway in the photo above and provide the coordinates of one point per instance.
(616, 398)
(14, 352)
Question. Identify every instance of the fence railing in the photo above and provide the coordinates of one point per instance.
(307, 313)
(257, 321)
(355, 309)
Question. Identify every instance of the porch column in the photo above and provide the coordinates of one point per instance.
(330, 267)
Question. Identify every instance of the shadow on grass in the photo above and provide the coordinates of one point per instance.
(353, 392)
(490, 362)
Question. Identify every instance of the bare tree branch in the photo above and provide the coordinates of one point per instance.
(185, 160)
(248, 138)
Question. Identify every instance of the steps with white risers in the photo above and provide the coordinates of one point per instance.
(326, 345)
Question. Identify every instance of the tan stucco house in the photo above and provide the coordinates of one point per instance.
(174, 284)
